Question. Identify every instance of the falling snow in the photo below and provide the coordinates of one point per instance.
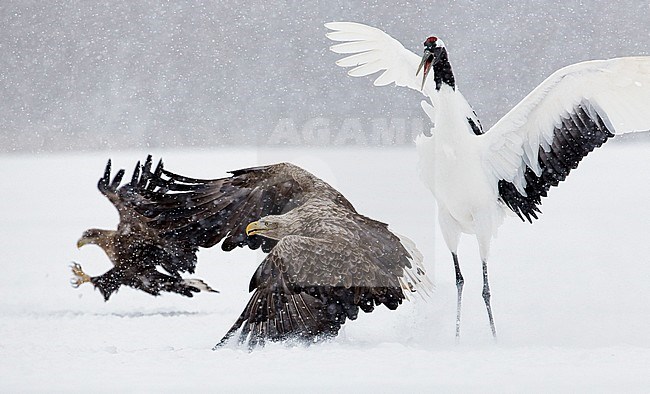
(209, 86)
(100, 75)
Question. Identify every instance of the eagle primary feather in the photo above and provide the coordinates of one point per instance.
(137, 249)
(325, 261)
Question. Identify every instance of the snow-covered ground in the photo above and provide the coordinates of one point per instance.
(571, 293)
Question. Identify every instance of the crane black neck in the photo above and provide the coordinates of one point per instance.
(442, 72)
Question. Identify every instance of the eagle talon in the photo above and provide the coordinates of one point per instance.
(80, 277)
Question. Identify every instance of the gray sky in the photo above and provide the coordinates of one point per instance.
(90, 75)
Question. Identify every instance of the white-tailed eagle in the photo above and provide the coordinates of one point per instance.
(325, 261)
(137, 249)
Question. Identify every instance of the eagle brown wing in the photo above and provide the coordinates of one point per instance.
(138, 249)
(306, 288)
(210, 210)
(137, 241)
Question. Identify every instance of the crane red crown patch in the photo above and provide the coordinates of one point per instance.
(430, 41)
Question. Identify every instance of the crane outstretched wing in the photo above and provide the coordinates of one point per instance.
(575, 110)
(371, 51)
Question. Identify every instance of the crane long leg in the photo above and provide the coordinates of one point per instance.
(459, 287)
(486, 298)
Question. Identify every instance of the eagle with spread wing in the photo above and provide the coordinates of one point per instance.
(137, 249)
(325, 261)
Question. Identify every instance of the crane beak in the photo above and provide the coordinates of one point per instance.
(429, 59)
(427, 62)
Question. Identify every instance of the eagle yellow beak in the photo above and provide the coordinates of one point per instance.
(253, 228)
(81, 242)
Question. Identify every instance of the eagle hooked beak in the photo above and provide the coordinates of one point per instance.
(254, 228)
(429, 58)
(261, 227)
(82, 241)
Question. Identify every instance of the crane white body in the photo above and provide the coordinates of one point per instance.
(477, 178)
(467, 201)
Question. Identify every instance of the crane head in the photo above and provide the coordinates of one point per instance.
(433, 48)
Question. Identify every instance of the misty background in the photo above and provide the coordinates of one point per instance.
(84, 75)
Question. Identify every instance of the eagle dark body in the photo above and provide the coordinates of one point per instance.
(135, 259)
(136, 249)
(325, 263)
(341, 264)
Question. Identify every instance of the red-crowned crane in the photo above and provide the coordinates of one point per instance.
(476, 177)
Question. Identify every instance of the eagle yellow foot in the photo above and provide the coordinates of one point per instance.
(80, 277)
